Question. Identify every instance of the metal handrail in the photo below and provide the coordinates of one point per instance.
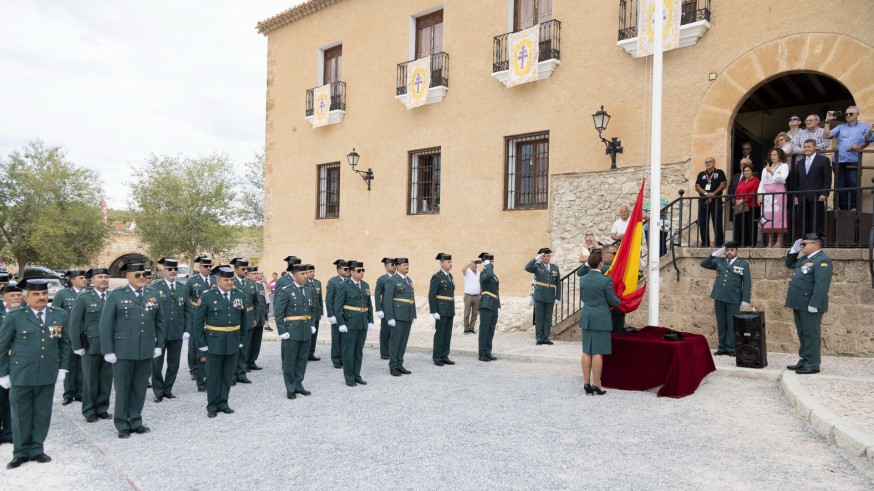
(439, 72)
(550, 46)
(690, 11)
(338, 98)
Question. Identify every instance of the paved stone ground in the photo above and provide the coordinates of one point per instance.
(508, 424)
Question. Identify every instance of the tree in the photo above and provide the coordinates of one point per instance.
(48, 208)
(183, 205)
(251, 204)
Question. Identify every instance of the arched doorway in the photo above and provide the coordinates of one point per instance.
(127, 258)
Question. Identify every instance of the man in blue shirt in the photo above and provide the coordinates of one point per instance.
(851, 140)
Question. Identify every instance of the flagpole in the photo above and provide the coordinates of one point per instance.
(655, 175)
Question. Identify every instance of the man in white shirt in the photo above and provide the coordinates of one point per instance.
(472, 294)
(620, 225)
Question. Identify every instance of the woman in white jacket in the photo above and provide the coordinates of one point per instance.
(772, 197)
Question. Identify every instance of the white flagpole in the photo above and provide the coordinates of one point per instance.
(655, 174)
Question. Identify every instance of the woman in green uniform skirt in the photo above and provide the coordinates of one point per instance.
(597, 295)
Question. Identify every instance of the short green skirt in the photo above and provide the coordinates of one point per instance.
(597, 342)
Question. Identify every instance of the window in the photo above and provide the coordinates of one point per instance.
(425, 181)
(530, 13)
(429, 34)
(527, 180)
(329, 190)
(333, 63)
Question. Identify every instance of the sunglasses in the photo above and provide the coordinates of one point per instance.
(359, 270)
(807, 243)
(345, 269)
(850, 114)
(171, 269)
(139, 275)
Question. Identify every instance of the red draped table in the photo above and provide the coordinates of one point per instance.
(643, 360)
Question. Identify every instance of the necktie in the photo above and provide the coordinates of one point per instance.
(301, 291)
(102, 297)
(450, 279)
(139, 294)
(409, 282)
(172, 288)
(228, 297)
(39, 317)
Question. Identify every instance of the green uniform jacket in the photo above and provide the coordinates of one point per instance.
(584, 270)
(283, 282)
(261, 305)
(247, 288)
(441, 285)
(214, 310)
(32, 354)
(547, 278)
(397, 287)
(733, 284)
(176, 309)
(379, 291)
(129, 327)
(196, 286)
(85, 317)
(488, 281)
(811, 278)
(64, 299)
(349, 295)
(317, 304)
(333, 283)
(294, 312)
(596, 292)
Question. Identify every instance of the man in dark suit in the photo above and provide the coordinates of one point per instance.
(813, 175)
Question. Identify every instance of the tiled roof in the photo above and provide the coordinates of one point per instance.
(293, 14)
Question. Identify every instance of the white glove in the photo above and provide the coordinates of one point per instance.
(537, 257)
(413, 321)
(110, 358)
(812, 309)
(718, 252)
(796, 247)
(343, 328)
(204, 349)
(284, 336)
(241, 346)
(62, 374)
(312, 329)
(744, 305)
(157, 353)
(370, 326)
(185, 336)
(499, 311)
(80, 352)
(557, 302)
(487, 261)
(5, 382)
(332, 319)
(392, 323)
(380, 314)
(436, 316)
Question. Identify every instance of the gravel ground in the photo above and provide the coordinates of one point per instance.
(506, 424)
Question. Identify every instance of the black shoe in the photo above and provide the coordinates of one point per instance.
(67, 401)
(360, 381)
(245, 381)
(16, 462)
(539, 343)
(394, 372)
(438, 363)
(338, 365)
(227, 410)
(158, 398)
(169, 396)
(313, 358)
(140, 430)
(193, 376)
(91, 419)
(78, 398)
(589, 390)
(291, 396)
(807, 371)
(720, 352)
(484, 358)
(248, 369)
(201, 389)
(149, 385)
(549, 342)
(447, 361)
(211, 414)
(304, 392)
(104, 415)
(796, 366)
(351, 384)
(492, 358)
(383, 358)
(255, 367)
(124, 434)
(404, 371)
(598, 390)
(41, 458)
(732, 353)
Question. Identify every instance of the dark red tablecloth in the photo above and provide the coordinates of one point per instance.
(643, 360)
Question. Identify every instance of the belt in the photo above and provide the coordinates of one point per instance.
(473, 294)
(298, 318)
(249, 309)
(491, 295)
(222, 328)
(444, 297)
(405, 300)
(356, 309)
(547, 285)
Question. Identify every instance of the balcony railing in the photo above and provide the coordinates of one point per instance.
(550, 46)
(439, 72)
(690, 11)
(338, 98)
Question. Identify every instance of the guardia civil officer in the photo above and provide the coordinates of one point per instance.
(197, 285)
(64, 299)
(247, 288)
(10, 301)
(352, 300)
(808, 298)
(177, 312)
(85, 338)
(34, 346)
(253, 342)
(4, 282)
(489, 307)
(399, 305)
(281, 283)
(293, 313)
(131, 334)
(441, 301)
(378, 292)
(219, 326)
(337, 337)
(731, 292)
(547, 293)
(317, 311)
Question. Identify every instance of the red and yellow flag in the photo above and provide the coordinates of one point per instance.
(625, 268)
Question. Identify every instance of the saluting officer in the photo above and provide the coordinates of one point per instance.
(356, 319)
(378, 293)
(808, 298)
(489, 307)
(441, 301)
(317, 310)
(547, 293)
(131, 334)
(11, 300)
(731, 292)
(247, 288)
(85, 338)
(64, 299)
(197, 285)
(399, 305)
(177, 312)
(220, 324)
(293, 312)
(34, 346)
(336, 336)
(257, 332)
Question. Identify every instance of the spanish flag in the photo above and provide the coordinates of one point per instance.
(624, 270)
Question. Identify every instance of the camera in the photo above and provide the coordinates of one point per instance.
(478, 261)
(838, 114)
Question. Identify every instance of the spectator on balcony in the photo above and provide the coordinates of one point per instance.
(784, 142)
(745, 160)
(811, 131)
(746, 208)
(851, 139)
(813, 179)
(772, 189)
(591, 242)
(617, 232)
(710, 184)
(794, 127)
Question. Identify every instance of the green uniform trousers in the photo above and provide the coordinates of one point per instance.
(192, 357)
(809, 329)
(384, 337)
(337, 342)
(219, 374)
(253, 338)
(353, 354)
(725, 323)
(73, 380)
(313, 339)
(488, 319)
(96, 385)
(397, 343)
(242, 361)
(130, 378)
(5, 417)
(442, 338)
(31, 417)
(162, 384)
(542, 320)
(294, 364)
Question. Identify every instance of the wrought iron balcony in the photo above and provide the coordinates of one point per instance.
(691, 11)
(439, 72)
(336, 104)
(550, 46)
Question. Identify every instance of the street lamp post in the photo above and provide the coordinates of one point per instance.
(367, 175)
(614, 145)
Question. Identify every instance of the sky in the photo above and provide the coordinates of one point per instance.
(115, 81)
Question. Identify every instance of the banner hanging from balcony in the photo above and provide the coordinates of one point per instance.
(418, 81)
(646, 25)
(524, 53)
(321, 105)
